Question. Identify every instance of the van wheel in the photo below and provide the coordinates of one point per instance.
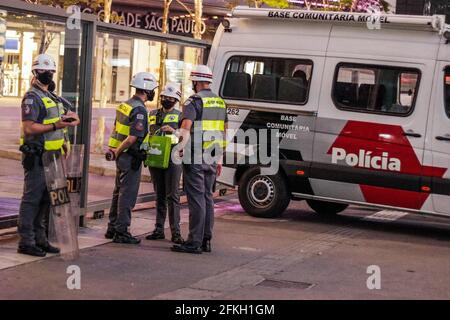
(324, 207)
(263, 196)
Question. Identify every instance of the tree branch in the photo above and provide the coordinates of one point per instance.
(185, 7)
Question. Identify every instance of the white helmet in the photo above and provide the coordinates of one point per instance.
(144, 81)
(172, 90)
(201, 73)
(44, 62)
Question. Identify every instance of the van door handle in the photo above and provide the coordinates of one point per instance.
(412, 134)
(443, 138)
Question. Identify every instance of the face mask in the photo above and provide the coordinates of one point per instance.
(167, 104)
(45, 78)
(150, 95)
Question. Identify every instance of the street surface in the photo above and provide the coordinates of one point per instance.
(300, 255)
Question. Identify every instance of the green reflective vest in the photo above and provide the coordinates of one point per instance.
(53, 140)
(171, 118)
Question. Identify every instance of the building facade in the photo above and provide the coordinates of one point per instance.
(85, 53)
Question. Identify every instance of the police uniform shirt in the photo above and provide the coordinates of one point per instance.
(138, 119)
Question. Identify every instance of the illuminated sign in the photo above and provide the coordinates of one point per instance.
(150, 21)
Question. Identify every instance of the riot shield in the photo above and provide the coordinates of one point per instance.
(61, 217)
(74, 173)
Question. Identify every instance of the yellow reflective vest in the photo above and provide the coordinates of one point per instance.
(213, 119)
(53, 140)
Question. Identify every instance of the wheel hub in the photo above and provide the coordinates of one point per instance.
(261, 191)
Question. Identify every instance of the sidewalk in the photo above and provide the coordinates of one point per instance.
(143, 221)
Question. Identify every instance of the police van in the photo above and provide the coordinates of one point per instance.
(360, 104)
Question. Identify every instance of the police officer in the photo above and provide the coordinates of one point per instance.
(167, 181)
(130, 129)
(203, 129)
(43, 121)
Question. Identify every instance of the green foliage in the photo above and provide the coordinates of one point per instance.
(346, 3)
(342, 5)
(282, 4)
(386, 6)
(93, 4)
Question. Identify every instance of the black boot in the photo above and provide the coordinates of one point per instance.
(48, 248)
(156, 235)
(126, 238)
(176, 238)
(206, 245)
(32, 251)
(110, 234)
(186, 248)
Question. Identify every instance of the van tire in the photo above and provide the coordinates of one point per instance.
(325, 207)
(263, 196)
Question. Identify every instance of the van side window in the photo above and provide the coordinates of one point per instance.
(375, 89)
(447, 91)
(267, 79)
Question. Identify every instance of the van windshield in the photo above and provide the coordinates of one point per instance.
(447, 91)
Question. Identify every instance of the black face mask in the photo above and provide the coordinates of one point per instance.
(45, 78)
(166, 104)
(150, 95)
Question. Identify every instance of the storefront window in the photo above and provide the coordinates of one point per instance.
(105, 84)
(117, 58)
(26, 37)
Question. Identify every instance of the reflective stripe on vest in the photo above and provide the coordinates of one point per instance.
(53, 140)
(172, 118)
(151, 120)
(213, 119)
(122, 125)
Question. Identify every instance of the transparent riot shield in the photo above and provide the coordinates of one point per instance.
(74, 173)
(61, 217)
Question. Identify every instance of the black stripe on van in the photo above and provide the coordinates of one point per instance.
(386, 179)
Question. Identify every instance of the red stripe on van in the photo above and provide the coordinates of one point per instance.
(388, 141)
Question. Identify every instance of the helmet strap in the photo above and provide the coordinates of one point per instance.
(150, 94)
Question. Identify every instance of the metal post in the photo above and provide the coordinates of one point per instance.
(85, 89)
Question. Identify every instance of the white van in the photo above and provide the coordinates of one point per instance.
(361, 103)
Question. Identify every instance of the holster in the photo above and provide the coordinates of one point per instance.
(31, 154)
(28, 161)
(138, 157)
